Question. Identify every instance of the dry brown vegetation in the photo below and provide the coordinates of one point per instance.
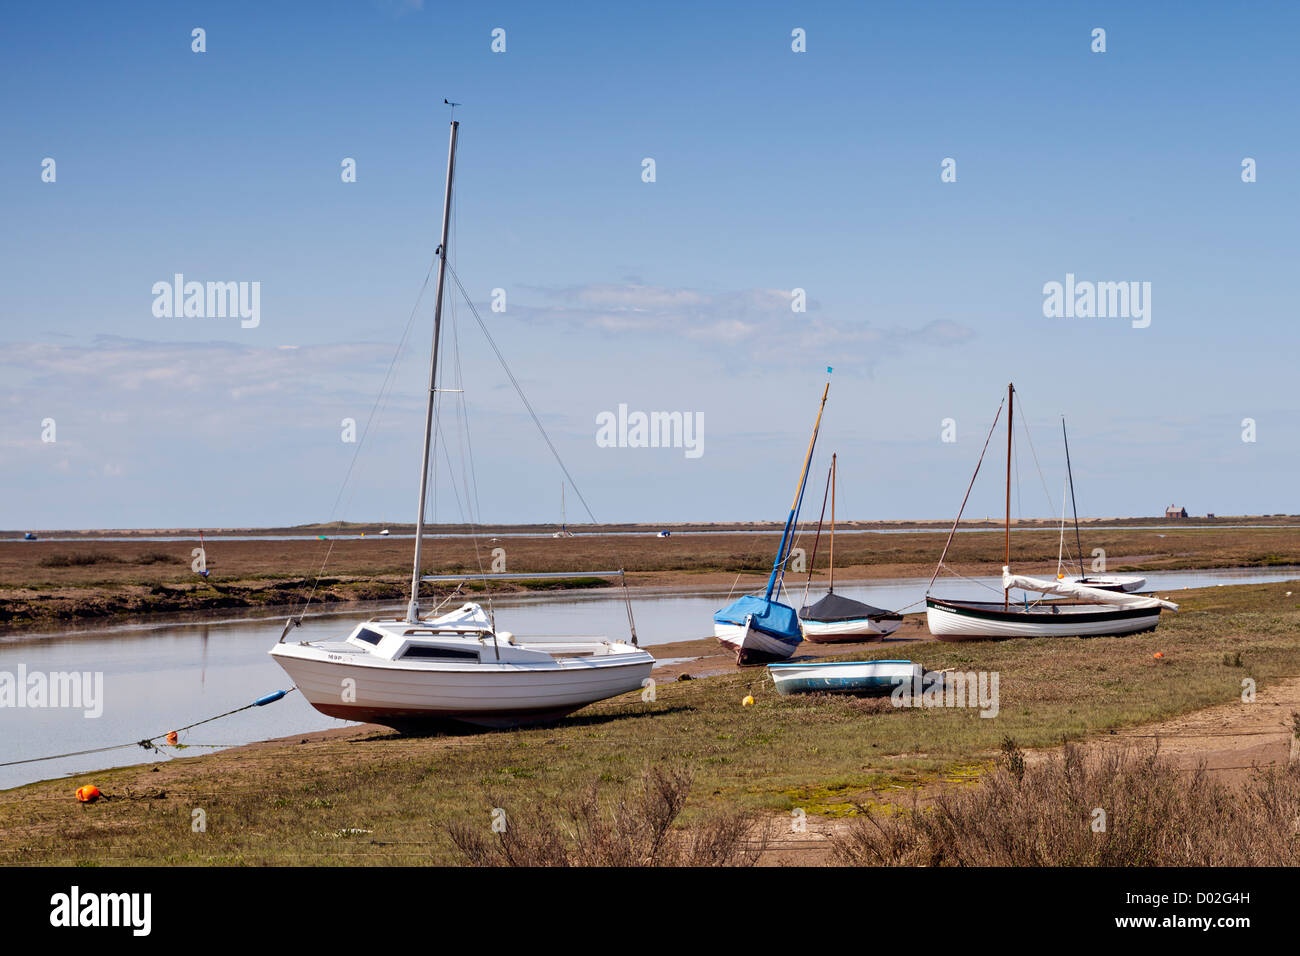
(634, 829)
(1050, 815)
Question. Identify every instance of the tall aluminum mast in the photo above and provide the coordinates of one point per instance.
(413, 609)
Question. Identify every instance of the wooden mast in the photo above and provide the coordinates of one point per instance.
(1006, 534)
(778, 566)
(1078, 543)
(832, 583)
(413, 609)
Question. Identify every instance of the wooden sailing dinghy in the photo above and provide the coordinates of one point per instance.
(1092, 612)
(404, 672)
(762, 629)
(836, 619)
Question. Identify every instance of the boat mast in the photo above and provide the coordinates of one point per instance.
(821, 518)
(413, 609)
(1006, 534)
(831, 589)
(1069, 471)
(778, 566)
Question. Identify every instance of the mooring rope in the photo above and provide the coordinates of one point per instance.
(148, 742)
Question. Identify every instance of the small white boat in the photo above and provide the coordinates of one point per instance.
(1127, 583)
(384, 532)
(843, 677)
(457, 667)
(874, 623)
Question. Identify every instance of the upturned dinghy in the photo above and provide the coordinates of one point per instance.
(762, 629)
(406, 672)
(1092, 613)
(843, 677)
(836, 619)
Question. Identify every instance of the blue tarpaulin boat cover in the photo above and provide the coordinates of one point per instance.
(769, 616)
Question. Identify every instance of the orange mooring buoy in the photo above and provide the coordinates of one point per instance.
(173, 738)
(88, 794)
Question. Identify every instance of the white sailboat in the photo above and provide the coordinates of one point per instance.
(1093, 612)
(564, 531)
(405, 672)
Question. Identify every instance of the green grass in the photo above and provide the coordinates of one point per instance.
(287, 804)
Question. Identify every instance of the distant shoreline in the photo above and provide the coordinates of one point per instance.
(68, 578)
(374, 527)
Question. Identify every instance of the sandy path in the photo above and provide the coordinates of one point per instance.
(1231, 740)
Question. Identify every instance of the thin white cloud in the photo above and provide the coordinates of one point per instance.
(760, 320)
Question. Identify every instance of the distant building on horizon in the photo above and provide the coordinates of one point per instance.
(1174, 511)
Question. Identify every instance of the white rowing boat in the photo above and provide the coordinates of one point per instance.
(843, 677)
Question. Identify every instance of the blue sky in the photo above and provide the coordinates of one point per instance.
(775, 170)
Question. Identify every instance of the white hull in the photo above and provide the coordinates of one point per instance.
(751, 645)
(858, 677)
(1115, 582)
(341, 681)
(949, 625)
(864, 627)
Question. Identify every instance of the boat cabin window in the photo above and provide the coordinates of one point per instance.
(424, 652)
(369, 636)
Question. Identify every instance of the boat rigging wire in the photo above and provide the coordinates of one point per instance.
(1069, 471)
(520, 392)
(380, 403)
(962, 509)
(541, 429)
(820, 518)
(1024, 424)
